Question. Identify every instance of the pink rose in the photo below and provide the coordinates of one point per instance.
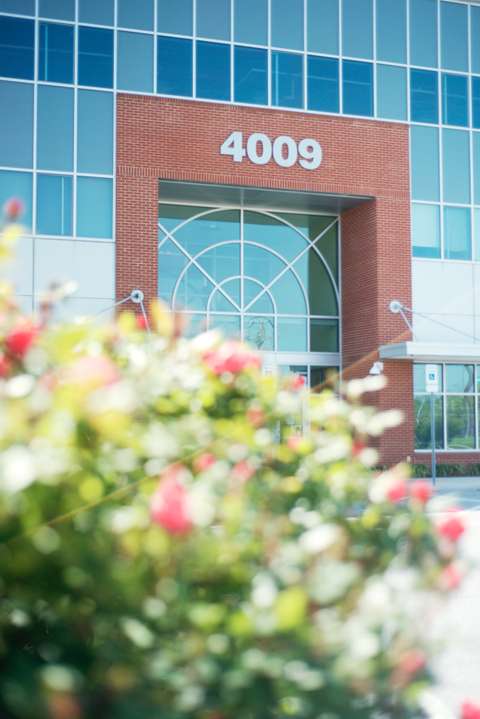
(470, 710)
(13, 208)
(412, 662)
(397, 491)
(21, 337)
(93, 371)
(451, 528)
(231, 357)
(421, 491)
(451, 577)
(169, 504)
(204, 462)
(243, 471)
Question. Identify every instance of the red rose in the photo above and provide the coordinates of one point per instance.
(421, 491)
(5, 366)
(357, 447)
(204, 462)
(142, 322)
(451, 528)
(231, 357)
(397, 491)
(13, 208)
(297, 382)
(470, 710)
(20, 338)
(451, 577)
(169, 504)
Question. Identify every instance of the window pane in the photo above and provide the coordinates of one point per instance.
(213, 71)
(357, 88)
(95, 132)
(97, 13)
(55, 128)
(16, 48)
(135, 61)
(251, 21)
(477, 236)
(424, 96)
(137, 15)
(322, 26)
(174, 17)
(423, 33)
(392, 30)
(287, 24)
(391, 92)
(174, 66)
(323, 84)
(213, 19)
(456, 229)
(259, 331)
(460, 422)
(357, 22)
(16, 128)
(292, 334)
(58, 9)
(423, 422)
(251, 75)
(459, 378)
(475, 37)
(287, 81)
(454, 100)
(54, 205)
(21, 7)
(456, 166)
(17, 184)
(95, 57)
(476, 101)
(419, 377)
(323, 335)
(424, 163)
(476, 166)
(454, 28)
(426, 230)
(56, 53)
(94, 207)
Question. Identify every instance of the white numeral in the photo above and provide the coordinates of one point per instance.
(233, 146)
(281, 143)
(311, 154)
(265, 143)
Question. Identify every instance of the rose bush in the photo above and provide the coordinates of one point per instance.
(170, 549)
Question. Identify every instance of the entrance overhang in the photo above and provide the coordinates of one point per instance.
(430, 352)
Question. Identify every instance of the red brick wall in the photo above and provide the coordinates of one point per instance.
(180, 140)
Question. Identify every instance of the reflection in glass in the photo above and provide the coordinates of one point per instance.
(210, 229)
(95, 132)
(174, 17)
(288, 295)
(476, 102)
(16, 48)
(391, 20)
(425, 171)
(94, 207)
(55, 62)
(16, 128)
(213, 71)
(17, 184)
(55, 128)
(456, 228)
(229, 325)
(222, 261)
(419, 377)
(260, 332)
(135, 61)
(287, 24)
(424, 96)
(391, 92)
(423, 32)
(454, 34)
(213, 19)
(357, 25)
(58, 9)
(323, 84)
(456, 166)
(426, 230)
(251, 21)
(95, 57)
(323, 335)
(459, 378)
(96, 13)
(292, 334)
(322, 26)
(193, 290)
(137, 15)
(54, 205)
(251, 79)
(172, 215)
(423, 422)
(322, 377)
(475, 37)
(454, 100)
(287, 79)
(174, 66)
(314, 277)
(357, 88)
(460, 422)
(171, 262)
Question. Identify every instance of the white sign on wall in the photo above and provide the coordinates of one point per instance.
(283, 150)
(432, 381)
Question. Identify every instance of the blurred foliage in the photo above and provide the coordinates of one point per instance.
(170, 549)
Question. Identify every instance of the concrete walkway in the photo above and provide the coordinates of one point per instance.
(466, 491)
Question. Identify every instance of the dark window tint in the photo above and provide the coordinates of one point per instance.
(95, 57)
(455, 100)
(213, 71)
(251, 75)
(174, 66)
(323, 91)
(476, 101)
(56, 53)
(287, 81)
(424, 96)
(357, 88)
(16, 47)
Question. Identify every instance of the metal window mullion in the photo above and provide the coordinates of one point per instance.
(305, 56)
(340, 55)
(34, 158)
(374, 43)
(407, 36)
(242, 274)
(194, 48)
(269, 53)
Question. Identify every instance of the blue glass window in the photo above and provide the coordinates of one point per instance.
(213, 19)
(174, 66)
(213, 71)
(426, 230)
(457, 233)
(16, 48)
(58, 9)
(20, 7)
(476, 166)
(251, 21)
(95, 57)
(55, 128)
(423, 33)
(94, 207)
(424, 96)
(322, 26)
(456, 166)
(454, 100)
(391, 92)
(56, 53)
(357, 23)
(357, 88)
(323, 84)
(392, 30)
(174, 17)
(475, 37)
(287, 79)
(454, 33)
(476, 216)
(137, 15)
(97, 13)
(476, 101)
(54, 205)
(95, 132)
(17, 184)
(16, 128)
(425, 166)
(251, 80)
(135, 61)
(287, 24)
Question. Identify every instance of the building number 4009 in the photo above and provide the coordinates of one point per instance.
(284, 150)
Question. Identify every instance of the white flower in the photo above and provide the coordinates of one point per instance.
(19, 386)
(373, 383)
(320, 538)
(17, 469)
(377, 424)
(264, 591)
